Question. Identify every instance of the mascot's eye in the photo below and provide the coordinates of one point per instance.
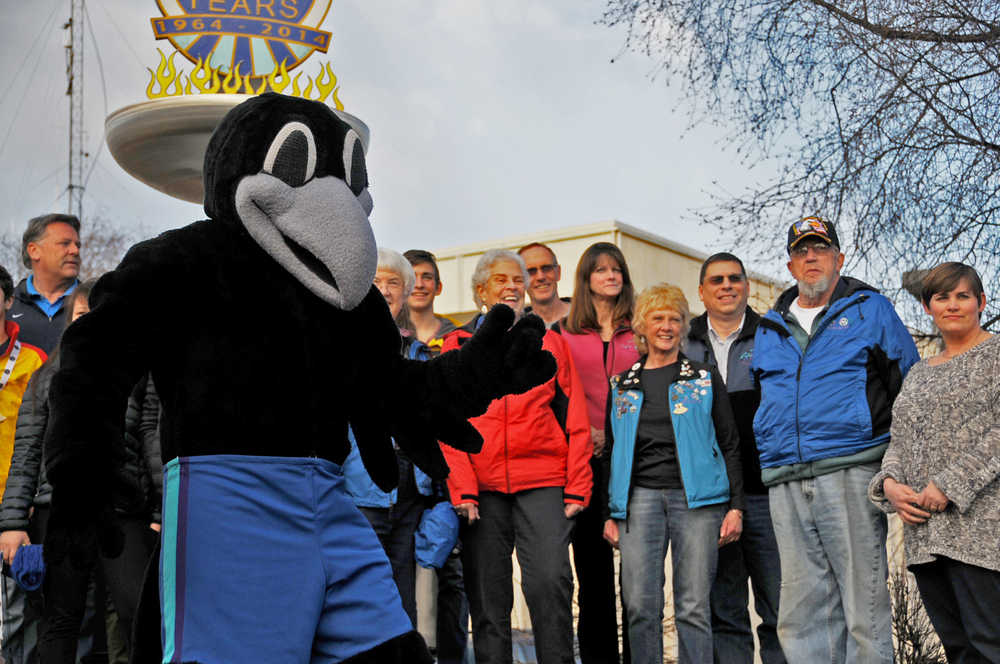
(355, 172)
(292, 155)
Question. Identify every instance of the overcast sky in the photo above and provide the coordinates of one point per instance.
(488, 119)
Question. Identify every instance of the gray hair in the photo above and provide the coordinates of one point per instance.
(393, 261)
(485, 266)
(36, 229)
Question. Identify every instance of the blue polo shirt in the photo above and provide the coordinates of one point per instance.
(50, 308)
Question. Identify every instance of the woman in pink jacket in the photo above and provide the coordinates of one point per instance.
(599, 335)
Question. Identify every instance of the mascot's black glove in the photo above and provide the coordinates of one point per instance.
(498, 360)
(81, 518)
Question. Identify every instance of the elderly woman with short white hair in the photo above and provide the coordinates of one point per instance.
(394, 278)
(523, 489)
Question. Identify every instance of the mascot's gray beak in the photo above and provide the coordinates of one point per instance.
(316, 228)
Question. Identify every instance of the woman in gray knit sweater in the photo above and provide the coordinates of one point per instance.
(941, 473)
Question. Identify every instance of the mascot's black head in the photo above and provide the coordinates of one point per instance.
(293, 175)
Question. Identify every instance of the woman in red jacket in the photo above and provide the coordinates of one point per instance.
(523, 489)
(599, 335)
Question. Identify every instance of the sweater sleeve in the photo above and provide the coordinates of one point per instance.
(579, 476)
(892, 466)
(728, 437)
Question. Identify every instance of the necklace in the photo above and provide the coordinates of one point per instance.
(981, 337)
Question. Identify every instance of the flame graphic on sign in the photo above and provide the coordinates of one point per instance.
(168, 81)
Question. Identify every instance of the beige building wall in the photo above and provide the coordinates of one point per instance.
(651, 259)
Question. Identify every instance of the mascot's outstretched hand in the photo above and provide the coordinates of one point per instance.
(511, 359)
(498, 360)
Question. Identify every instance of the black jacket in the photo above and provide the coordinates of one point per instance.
(37, 328)
(744, 393)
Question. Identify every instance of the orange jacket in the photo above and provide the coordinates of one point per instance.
(524, 445)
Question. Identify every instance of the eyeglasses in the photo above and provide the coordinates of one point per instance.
(820, 249)
(718, 279)
(547, 269)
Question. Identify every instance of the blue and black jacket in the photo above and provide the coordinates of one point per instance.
(705, 435)
(744, 393)
(834, 399)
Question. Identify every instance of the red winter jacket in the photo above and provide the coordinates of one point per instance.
(595, 371)
(524, 445)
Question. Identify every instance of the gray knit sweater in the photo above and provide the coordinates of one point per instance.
(946, 428)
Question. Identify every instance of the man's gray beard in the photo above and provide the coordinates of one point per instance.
(813, 291)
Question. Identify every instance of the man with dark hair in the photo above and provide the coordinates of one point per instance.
(543, 289)
(724, 337)
(430, 327)
(830, 358)
(50, 248)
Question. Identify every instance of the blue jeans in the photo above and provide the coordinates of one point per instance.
(834, 604)
(754, 555)
(658, 519)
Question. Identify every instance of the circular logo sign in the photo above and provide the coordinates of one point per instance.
(246, 36)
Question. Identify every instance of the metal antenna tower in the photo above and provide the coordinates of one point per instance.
(74, 90)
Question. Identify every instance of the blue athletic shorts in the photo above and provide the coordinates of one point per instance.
(266, 559)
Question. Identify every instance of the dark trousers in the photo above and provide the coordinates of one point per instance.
(65, 592)
(395, 527)
(753, 556)
(597, 623)
(452, 612)
(533, 521)
(963, 603)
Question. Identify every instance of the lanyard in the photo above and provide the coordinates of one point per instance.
(9, 369)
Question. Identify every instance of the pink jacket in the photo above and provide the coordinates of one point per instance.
(588, 356)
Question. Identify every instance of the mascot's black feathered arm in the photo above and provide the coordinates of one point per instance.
(498, 360)
(101, 359)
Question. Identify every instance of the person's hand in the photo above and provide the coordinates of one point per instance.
(597, 435)
(468, 511)
(572, 509)
(932, 498)
(732, 527)
(611, 532)
(905, 501)
(11, 541)
(155, 526)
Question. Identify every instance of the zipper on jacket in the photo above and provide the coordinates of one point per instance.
(802, 357)
(506, 455)
(798, 376)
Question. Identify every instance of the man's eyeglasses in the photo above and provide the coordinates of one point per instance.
(547, 269)
(819, 248)
(718, 279)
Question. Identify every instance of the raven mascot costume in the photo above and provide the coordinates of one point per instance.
(265, 338)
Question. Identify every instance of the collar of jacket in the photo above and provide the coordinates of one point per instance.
(776, 318)
(632, 378)
(699, 327)
(846, 286)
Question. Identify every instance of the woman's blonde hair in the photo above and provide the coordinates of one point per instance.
(655, 298)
